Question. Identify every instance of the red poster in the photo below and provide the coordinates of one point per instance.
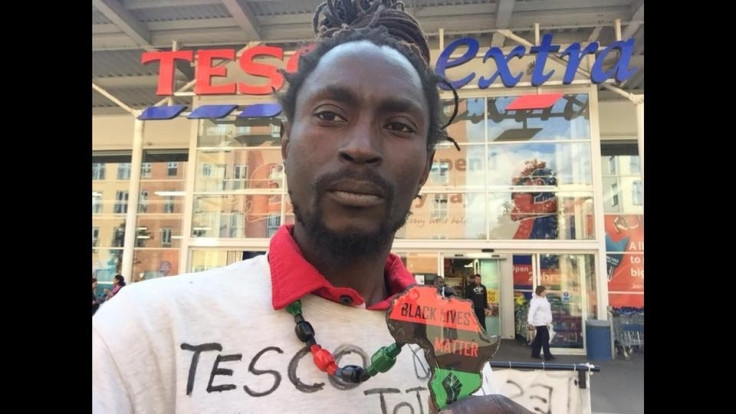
(625, 259)
(522, 275)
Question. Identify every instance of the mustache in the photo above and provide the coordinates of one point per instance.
(324, 182)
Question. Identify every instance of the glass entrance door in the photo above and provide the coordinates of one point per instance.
(459, 271)
(570, 282)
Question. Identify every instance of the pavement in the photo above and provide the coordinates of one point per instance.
(617, 389)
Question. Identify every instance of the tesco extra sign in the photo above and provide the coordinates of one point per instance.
(206, 71)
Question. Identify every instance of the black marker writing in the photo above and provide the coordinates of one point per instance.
(216, 370)
(197, 349)
(253, 369)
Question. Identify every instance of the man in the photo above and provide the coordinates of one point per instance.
(540, 317)
(444, 290)
(477, 293)
(362, 119)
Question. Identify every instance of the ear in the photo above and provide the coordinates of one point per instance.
(427, 167)
(285, 134)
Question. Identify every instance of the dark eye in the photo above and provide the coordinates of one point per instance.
(400, 127)
(329, 116)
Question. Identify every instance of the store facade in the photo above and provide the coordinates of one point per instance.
(543, 185)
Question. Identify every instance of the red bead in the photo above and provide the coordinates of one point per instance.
(323, 359)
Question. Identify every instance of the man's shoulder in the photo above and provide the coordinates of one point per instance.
(224, 274)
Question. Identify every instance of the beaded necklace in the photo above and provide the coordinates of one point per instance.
(381, 361)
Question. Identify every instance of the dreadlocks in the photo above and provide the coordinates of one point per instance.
(383, 23)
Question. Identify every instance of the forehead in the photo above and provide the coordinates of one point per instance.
(366, 67)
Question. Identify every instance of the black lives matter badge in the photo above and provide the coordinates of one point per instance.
(454, 343)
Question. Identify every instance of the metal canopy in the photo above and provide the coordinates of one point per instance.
(123, 29)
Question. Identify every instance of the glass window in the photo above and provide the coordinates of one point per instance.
(124, 171)
(166, 236)
(540, 164)
(96, 202)
(614, 195)
(464, 217)
(612, 165)
(172, 169)
(118, 238)
(143, 202)
(146, 170)
(214, 215)
(439, 207)
(637, 193)
(240, 176)
(550, 215)
(233, 132)
(622, 187)
(468, 125)
(206, 170)
(121, 202)
(439, 173)
(460, 170)
(169, 202)
(98, 171)
(568, 118)
(634, 164)
(274, 221)
(251, 169)
(95, 236)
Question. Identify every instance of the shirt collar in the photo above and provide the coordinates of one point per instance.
(293, 277)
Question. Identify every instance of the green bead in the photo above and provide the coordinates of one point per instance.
(295, 308)
(384, 359)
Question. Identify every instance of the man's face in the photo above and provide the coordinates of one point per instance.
(356, 151)
(477, 280)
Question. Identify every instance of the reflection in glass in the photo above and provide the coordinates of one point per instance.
(239, 132)
(238, 169)
(446, 216)
(568, 118)
(551, 215)
(562, 275)
(236, 216)
(540, 164)
(459, 170)
(467, 127)
(159, 219)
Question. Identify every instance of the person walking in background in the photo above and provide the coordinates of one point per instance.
(444, 290)
(540, 317)
(95, 299)
(477, 293)
(118, 283)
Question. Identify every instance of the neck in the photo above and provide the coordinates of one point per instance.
(364, 273)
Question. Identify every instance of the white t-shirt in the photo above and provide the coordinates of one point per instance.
(211, 342)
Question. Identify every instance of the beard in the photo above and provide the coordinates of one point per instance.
(344, 246)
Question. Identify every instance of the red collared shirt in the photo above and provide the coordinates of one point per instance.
(292, 277)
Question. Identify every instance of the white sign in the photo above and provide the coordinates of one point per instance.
(548, 392)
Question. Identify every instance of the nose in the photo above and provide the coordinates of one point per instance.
(362, 143)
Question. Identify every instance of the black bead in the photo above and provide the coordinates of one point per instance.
(350, 373)
(304, 331)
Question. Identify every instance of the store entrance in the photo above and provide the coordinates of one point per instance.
(567, 278)
(459, 270)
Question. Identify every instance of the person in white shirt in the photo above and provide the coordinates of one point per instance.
(540, 317)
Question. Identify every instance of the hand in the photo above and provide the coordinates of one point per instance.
(532, 328)
(485, 404)
(488, 312)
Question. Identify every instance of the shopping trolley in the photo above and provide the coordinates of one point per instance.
(628, 331)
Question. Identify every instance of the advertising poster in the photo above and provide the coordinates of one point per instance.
(522, 271)
(625, 259)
